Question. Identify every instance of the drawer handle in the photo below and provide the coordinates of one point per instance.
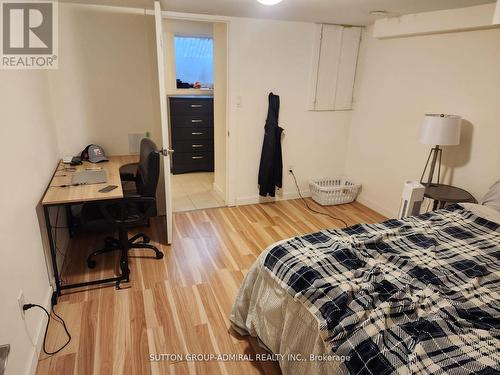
(196, 121)
(197, 157)
(196, 146)
(197, 133)
(196, 105)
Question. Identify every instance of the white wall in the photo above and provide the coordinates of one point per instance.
(276, 56)
(220, 107)
(29, 156)
(261, 59)
(401, 79)
(106, 85)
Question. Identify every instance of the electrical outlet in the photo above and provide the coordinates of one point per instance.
(290, 169)
(21, 301)
(239, 102)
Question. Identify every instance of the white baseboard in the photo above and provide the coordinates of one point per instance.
(47, 303)
(376, 207)
(306, 193)
(279, 197)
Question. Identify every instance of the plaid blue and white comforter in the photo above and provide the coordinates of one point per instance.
(413, 296)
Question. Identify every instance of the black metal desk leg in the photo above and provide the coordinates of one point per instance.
(53, 255)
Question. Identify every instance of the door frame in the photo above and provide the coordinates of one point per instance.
(164, 113)
(230, 196)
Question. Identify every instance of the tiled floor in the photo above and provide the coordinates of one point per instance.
(194, 191)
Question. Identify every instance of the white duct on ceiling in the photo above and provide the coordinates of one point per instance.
(496, 17)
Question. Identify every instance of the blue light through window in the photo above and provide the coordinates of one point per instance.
(194, 61)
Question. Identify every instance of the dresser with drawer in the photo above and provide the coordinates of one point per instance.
(192, 133)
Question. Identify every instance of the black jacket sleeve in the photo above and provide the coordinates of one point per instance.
(271, 161)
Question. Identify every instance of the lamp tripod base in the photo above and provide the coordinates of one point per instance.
(435, 153)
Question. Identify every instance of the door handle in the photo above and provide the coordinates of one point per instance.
(196, 146)
(197, 157)
(196, 121)
(197, 133)
(196, 105)
(166, 151)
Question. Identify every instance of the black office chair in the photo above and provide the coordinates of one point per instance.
(132, 210)
(128, 176)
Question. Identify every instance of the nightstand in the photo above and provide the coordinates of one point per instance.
(444, 194)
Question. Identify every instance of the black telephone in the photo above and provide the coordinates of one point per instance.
(76, 160)
(108, 188)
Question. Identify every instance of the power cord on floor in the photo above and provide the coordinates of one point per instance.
(312, 209)
(59, 320)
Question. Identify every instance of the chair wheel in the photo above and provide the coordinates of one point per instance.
(159, 255)
(91, 263)
(146, 239)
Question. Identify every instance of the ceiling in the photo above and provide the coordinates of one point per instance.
(354, 12)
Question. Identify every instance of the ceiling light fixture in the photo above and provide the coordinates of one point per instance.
(269, 2)
(379, 13)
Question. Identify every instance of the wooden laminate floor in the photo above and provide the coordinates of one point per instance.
(179, 304)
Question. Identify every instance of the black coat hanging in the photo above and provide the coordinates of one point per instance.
(271, 161)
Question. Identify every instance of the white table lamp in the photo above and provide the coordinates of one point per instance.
(439, 130)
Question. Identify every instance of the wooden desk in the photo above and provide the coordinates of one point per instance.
(66, 196)
(85, 193)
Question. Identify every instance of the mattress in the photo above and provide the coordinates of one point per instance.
(288, 323)
(483, 211)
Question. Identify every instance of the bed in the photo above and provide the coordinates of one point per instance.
(414, 296)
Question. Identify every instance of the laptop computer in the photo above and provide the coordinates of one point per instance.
(89, 177)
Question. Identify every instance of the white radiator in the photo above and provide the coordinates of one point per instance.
(411, 200)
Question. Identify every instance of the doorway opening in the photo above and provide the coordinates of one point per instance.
(196, 85)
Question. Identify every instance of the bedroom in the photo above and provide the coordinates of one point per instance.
(420, 57)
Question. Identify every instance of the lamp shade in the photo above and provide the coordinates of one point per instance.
(442, 130)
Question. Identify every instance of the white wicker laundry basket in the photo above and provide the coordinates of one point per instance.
(329, 191)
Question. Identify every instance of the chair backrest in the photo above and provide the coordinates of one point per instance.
(148, 171)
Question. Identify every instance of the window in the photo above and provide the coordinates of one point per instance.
(194, 62)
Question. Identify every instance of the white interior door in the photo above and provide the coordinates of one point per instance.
(166, 151)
